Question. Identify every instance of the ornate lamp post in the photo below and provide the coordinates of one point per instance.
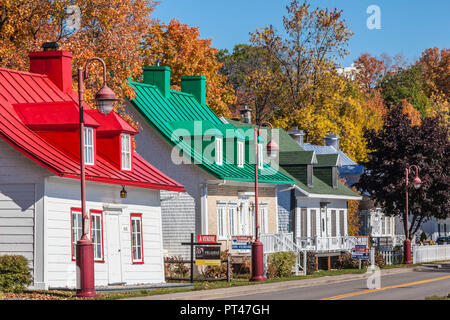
(104, 98)
(416, 183)
(257, 246)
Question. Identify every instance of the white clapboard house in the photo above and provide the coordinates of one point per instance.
(40, 216)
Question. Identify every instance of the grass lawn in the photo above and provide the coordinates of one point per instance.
(438, 298)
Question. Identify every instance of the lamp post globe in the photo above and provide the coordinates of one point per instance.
(272, 150)
(105, 99)
(417, 183)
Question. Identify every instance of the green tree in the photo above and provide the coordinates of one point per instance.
(407, 84)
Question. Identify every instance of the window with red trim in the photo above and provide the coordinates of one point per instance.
(89, 146)
(97, 234)
(137, 250)
(76, 229)
(126, 151)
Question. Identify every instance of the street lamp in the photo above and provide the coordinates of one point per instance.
(257, 246)
(104, 99)
(417, 184)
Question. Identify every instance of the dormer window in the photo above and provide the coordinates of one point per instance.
(240, 157)
(219, 151)
(260, 156)
(126, 151)
(88, 145)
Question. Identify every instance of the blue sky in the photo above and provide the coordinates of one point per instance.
(407, 26)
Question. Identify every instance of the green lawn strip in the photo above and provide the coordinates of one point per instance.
(438, 298)
(199, 285)
(207, 285)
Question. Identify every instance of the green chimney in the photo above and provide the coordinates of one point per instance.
(195, 85)
(160, 77)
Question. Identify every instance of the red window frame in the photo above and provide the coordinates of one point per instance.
(73, 209)
(100, 212)
(136, 215)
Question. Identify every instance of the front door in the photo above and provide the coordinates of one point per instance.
(323, 220)
(243, 219)
(114, 249)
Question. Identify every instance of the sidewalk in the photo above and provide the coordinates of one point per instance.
(267, 287)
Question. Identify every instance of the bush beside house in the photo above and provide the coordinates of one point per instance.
(14, 273)
(280, 264)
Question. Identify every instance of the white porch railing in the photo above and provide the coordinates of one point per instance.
(346, 243)
(276, 242)
(431, 253)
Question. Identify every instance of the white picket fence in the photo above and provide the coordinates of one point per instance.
(392, 257)
(431, 253)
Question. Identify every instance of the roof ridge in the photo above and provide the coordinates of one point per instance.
(24, 72)
(154, 86)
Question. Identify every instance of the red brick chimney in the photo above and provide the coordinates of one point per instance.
(56, 64)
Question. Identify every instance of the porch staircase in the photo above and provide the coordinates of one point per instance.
(279, 242)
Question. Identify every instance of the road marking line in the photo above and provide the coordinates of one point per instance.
(351, 294)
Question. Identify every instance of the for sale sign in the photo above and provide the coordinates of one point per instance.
(206, 238)
(241, 242)
(360, 252)
(207, 255)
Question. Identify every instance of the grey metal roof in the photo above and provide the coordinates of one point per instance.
(345, 160)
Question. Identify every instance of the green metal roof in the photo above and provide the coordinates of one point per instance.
(180, 110)
(328, 160)
(293, 161)
(319, 187)
(290, 151)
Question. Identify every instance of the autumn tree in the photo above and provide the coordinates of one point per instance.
(436, 71)
(109, 29)
(179, 47)
(307, 50)
(255, 78)
(401, 143)
(436, 77)
(369, 71)
(353, 219)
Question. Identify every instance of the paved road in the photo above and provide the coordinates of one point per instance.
(404, 286)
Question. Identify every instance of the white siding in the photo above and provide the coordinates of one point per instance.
(62, 194)
(20, 181)
(181, 215)
(334, 204)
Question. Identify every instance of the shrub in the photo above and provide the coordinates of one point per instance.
(176, 268)
(281, 264)
(423, 236)
(14, 273)
(219, 272)
(345, 261)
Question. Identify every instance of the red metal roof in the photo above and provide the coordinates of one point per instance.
(111, 123)
(52, 115)
(18, 87)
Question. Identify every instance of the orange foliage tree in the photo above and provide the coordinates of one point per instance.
(436, 71)
(179, 47)
(109, 29)
(353, 218)
(369, 70)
